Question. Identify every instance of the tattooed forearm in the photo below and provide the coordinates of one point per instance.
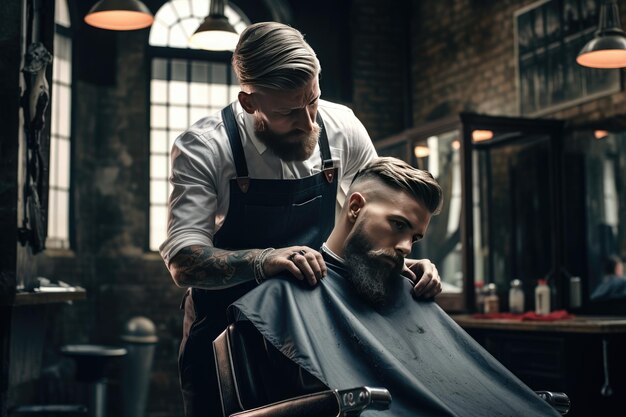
(212, 268)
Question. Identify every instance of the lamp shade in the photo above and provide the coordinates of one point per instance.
(215, 33)
(608, 47)
(119, 15)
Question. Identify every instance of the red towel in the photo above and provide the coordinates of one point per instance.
(527, 316)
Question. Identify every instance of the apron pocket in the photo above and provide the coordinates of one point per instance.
(308, 214)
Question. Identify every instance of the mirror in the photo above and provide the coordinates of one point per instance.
(595, 223)
(512, 206)
(436, 147)
(511, 211)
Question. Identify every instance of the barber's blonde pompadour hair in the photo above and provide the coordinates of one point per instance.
(399, 175)
(274, 56)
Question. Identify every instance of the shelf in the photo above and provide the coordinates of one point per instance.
(32, 298)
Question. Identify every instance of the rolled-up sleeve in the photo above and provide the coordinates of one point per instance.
(193, 200)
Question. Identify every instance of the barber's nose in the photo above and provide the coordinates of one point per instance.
(306, 120)
(404, 247)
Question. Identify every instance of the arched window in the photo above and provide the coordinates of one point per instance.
(186, 85)
(61, 131)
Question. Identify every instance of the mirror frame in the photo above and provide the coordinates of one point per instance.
(516, 128)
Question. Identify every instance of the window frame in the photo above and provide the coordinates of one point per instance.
(189, 55)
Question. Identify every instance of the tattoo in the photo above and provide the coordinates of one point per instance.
(212, 268)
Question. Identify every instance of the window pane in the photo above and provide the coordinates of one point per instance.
(158, 167)
(167, 15)
(158, 226)
(181, 7)
(159, 33)
(159, 143)
(158, 116)
(61, 14)
(159, 69)
(53, 229)
(199, 72)
(54, 123)
(158, 192)
(200, 7)
(178, 92)
(63, 215)
(158, 91)
(189, 27)
(178, 118)
(199, 94)
(179, 70)
(65, 111)
(54, 162)
(65, 73)
(219, 94)
(178, 37)
(197, 113)
(63, 164)
(218, 73)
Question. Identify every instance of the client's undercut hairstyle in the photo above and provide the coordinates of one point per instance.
(399, 175)
(274, 56)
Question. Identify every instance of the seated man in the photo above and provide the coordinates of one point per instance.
(362, 327)
(613, 284)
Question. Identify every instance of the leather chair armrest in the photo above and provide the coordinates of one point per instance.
(329, 403)
(558, 400)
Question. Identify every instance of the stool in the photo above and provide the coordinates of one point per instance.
(91, 362)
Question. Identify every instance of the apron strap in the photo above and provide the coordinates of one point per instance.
(230, 123)
(327, 161)
(243, 179)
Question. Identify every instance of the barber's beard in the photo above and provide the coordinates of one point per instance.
(292, 146)
(373, 278)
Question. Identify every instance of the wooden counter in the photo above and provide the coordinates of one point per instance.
(564, 356)
(578, 324)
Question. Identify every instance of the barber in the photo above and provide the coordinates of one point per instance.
(255, 189)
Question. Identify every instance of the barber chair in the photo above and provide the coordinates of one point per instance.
(256, 380)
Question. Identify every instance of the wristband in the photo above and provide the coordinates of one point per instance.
(259, 274)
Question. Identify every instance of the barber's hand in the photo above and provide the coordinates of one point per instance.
(425, 276)
(301, 261)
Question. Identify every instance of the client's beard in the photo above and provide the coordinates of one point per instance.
(292, 146)
(374, 280)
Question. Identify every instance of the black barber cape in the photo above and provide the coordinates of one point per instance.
(429, 364)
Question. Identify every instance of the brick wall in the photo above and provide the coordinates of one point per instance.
(379, 58)
(463, 58)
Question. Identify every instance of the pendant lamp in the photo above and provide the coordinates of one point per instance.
(215, 33)
(119, 15)
(607, 49)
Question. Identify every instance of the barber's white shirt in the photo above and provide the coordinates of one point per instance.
(203, 165)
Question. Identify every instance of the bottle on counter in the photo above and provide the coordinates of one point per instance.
(542, 297)
(575, 293)
(480, 296)
(492, 301)
(516, 297)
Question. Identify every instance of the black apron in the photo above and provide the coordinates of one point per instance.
(262, 213)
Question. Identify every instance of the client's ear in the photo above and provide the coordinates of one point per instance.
(355, 204)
